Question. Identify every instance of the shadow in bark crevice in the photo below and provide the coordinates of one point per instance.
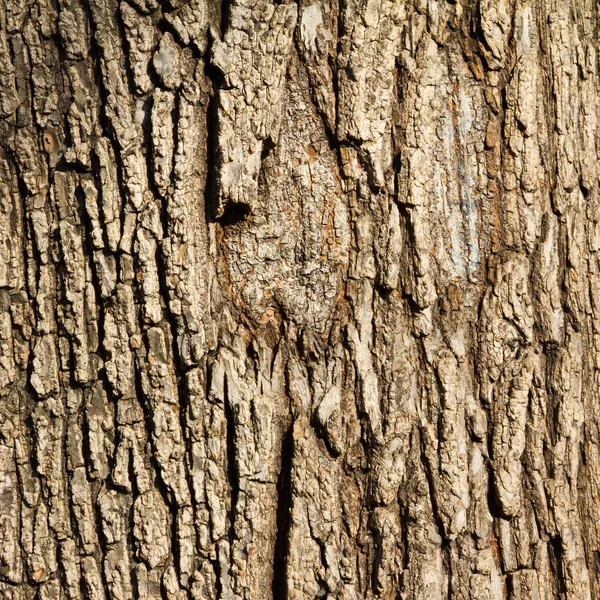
(555, 554)
(232, 472)
(284, 505)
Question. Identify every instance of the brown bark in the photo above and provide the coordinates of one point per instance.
(299, 300)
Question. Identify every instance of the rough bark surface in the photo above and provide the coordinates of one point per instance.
(299, 299)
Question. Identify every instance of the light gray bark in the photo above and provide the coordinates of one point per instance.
(299, 299)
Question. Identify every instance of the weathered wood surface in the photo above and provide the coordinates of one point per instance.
(299, 300)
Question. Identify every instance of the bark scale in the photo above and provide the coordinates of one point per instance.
(299, 300)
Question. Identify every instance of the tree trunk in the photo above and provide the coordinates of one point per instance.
(299, 300)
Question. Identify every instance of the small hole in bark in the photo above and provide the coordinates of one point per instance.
(234, 213)
(268, 147)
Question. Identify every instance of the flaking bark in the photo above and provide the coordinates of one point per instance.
(299, 300)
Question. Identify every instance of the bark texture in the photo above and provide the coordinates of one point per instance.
(299, 300)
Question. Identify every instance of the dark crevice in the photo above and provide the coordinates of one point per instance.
(447, 562)
(175, 119)
(377, 557)
(174, 513)
(284, 504)
(216, 564)
(405, 519)
(381, 289)
(147, 106)
(555, 555)
(233, 213)
(211, 191)
(232, 472)
(493, 501)
(432, 495)
(225, 16)
(321, 432)
(63, 166)
(267, 148)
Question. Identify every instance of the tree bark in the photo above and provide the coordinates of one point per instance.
(299, 300)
